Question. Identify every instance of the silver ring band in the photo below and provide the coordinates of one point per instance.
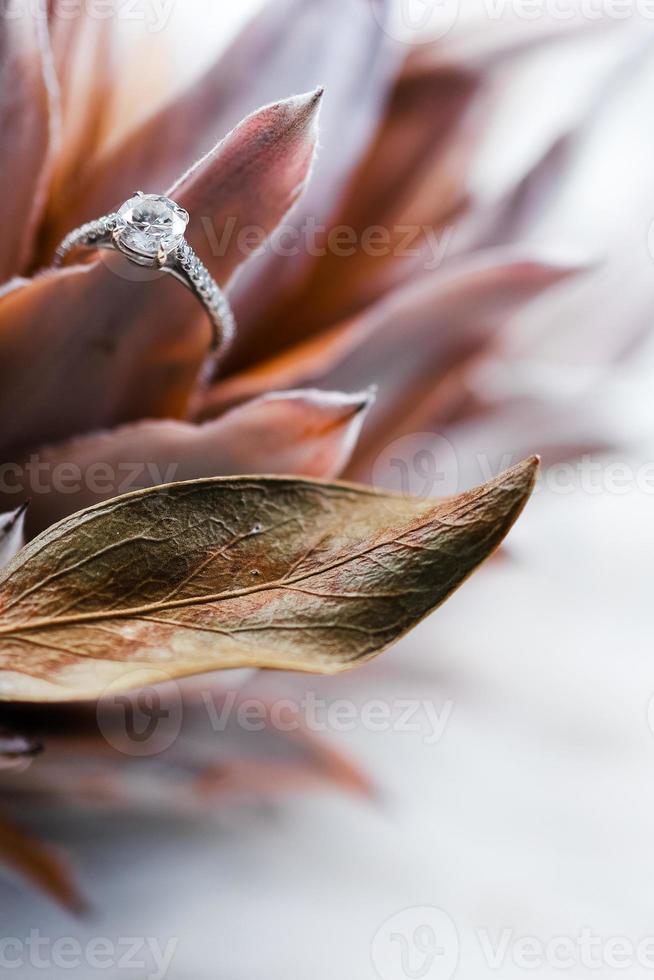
(149, 231)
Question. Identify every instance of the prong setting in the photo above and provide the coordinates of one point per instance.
(149, 230)
(149, 227)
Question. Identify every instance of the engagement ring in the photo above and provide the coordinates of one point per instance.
(149, 230)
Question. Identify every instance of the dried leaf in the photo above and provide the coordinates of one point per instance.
(39, 864)
(268, 572)
(309, 433)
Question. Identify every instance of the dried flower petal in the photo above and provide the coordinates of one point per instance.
(135, 348)
(27, 132)
(292, 46)
(309, 433)
(39, 864)
(12, 533)
(418, 334)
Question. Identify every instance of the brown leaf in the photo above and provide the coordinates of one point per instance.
(257, 572)
(39, 864)
(27, 119)
(308, 433)
(135, 348)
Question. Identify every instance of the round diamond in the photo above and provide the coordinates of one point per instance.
(148, 223)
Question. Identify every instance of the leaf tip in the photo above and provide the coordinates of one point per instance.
(522, 477)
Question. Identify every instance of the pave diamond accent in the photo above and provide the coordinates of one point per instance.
(212, 296)
(90, 234)
(149, 223)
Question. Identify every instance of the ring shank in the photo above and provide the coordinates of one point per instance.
(183, 264)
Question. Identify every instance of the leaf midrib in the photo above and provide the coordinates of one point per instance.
(274, 585)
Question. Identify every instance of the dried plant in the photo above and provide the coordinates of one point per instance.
(281, 568)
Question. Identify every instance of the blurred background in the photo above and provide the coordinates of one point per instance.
(475, 802)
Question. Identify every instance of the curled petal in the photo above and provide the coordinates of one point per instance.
(192, 775)
(83, 55)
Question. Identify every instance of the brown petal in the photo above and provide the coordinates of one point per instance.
(412, 181)
(408, 342)
(192, 775)
(290, 46)
(27, 134)
(39, 864)
(250, 180)
(417, 178)
(309, 433)
(83, 53)
(135, 348)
